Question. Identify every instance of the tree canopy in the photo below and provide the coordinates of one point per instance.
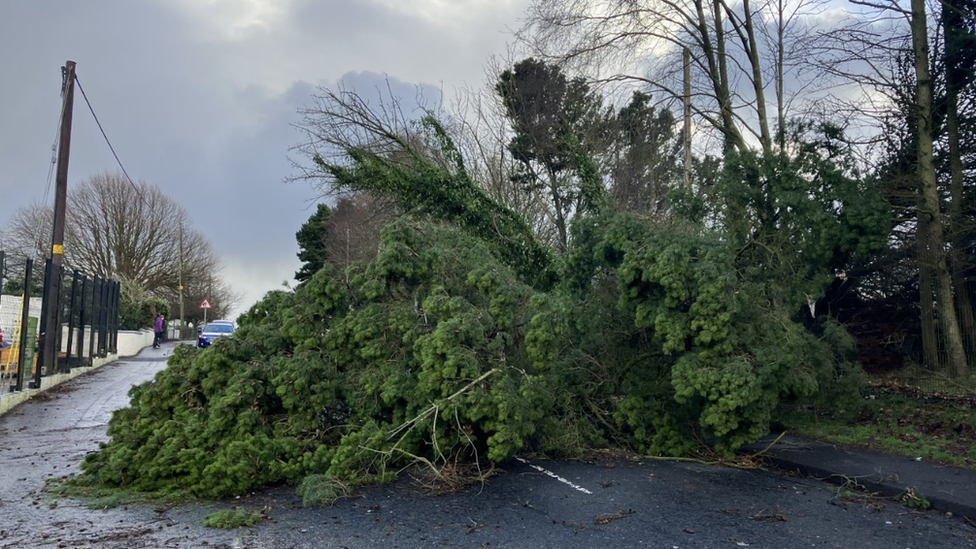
(464, 338)
(130, 232)
(565, 288)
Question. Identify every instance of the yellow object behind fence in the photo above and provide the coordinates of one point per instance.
(10, 357)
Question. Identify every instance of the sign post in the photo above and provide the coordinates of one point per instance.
(205, 305)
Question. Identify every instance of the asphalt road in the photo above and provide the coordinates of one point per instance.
(611, 502)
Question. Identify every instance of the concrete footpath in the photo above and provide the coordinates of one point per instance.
(947, 489)
(47, 436)
(9, 399)
(130, 343)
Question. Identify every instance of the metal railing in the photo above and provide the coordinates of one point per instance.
(87, 326)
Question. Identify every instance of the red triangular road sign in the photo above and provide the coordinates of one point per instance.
(205, 304)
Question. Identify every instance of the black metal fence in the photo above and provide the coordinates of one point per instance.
(87, 327)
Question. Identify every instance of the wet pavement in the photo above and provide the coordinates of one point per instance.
(48, 436)
(613, 501)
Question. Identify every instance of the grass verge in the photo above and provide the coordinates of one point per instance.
(899, 420)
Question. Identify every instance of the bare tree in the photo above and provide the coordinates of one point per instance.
(482, 134)
(28, 233)
(885, 49)
(353, 234)
(735, 47)
(121, 230)
(214, 288)
(129, 230)
(28, 236)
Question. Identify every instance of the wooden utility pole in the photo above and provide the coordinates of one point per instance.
(52, 290)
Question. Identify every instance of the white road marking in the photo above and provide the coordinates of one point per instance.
(555, 476)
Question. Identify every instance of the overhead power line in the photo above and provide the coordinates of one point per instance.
(109, 143)
(39, 222)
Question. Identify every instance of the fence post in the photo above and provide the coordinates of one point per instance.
(71, 320)
(103, 319)
(24, 326)
(58, 329)
(110, 319)
(42, 357)
(115, 317)
(96, 288)
(81, 322)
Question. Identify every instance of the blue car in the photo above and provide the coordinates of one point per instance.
(213, 330)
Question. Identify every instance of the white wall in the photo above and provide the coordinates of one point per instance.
(129, 344)
(133, 341)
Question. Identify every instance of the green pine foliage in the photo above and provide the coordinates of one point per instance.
(311, 243)
(420, 355)
(795, 220)
(321, 491)
(229, 519)
(695, 350)
(441, 188)
(465, 340)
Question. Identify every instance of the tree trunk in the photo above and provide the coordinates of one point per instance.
(720, 82)
(557, 202)
(926, 299)
(752, 48)
(960, 228)
(780, 96)
(932, 238)
(720, 75)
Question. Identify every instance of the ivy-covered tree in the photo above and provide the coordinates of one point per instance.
(137, 307)
(418, 168)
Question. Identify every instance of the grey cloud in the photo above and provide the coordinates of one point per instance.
(207, 118)
(375, 88)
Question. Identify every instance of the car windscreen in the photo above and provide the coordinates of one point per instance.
(219, 329)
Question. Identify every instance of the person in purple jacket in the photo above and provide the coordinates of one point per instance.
(159, 332)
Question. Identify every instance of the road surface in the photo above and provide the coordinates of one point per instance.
(613, 501)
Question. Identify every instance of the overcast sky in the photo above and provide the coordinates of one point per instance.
(198, 98)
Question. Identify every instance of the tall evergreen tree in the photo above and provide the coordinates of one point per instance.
(560, 125)
(645, 156)
(312, 249)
